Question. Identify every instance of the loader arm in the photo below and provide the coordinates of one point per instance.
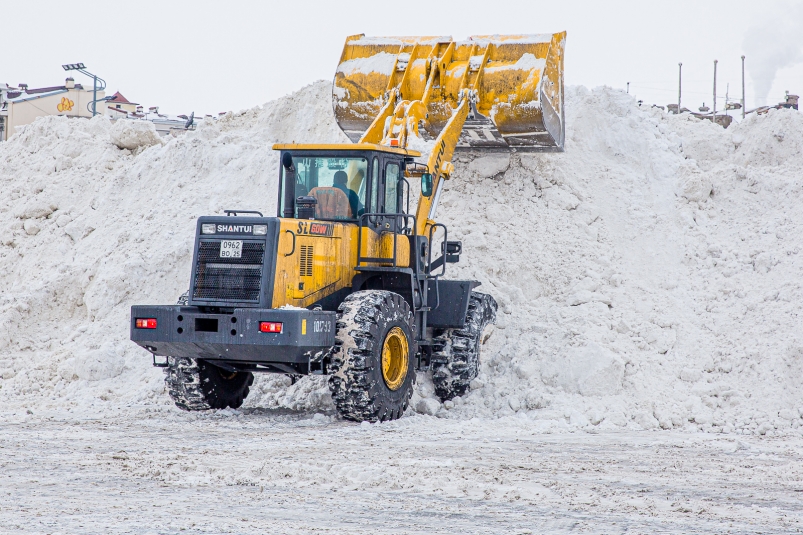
(401, 125)
(440, 166)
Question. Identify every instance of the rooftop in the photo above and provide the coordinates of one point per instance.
(118, 98)
(346, 146)
(16, 93)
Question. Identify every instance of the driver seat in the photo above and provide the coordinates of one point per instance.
(332, 203)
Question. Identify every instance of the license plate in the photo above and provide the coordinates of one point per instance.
(231, 249)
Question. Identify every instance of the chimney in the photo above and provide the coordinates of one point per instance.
(69, 83)
(24, 87)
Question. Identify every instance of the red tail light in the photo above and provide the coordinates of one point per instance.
(146, 323)
(270, 327)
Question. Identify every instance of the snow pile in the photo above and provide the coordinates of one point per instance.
(648, 277)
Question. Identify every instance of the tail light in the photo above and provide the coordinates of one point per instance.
(146, 323)
(270, 327)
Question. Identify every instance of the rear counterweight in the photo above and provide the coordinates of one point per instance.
(238, 336)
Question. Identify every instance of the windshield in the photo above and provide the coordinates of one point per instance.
(338, 184)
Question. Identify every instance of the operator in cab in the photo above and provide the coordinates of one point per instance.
(339, 181)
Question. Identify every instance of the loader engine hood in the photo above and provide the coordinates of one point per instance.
(233, 262)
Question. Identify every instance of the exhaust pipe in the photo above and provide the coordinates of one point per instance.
(289, 186)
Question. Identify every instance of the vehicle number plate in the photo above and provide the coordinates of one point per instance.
(231, 249)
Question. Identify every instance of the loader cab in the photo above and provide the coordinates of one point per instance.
(353, 183)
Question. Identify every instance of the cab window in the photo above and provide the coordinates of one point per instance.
(375, 187)
(391, 188)
(338, 184)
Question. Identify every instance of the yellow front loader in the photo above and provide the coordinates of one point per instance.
(347, 280)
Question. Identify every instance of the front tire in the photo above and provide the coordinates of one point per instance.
(372, 362)
(197, 385)
(456, 352)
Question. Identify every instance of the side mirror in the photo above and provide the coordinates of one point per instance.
(426, 184)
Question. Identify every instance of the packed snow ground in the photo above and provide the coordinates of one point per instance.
(157, 471)
(648, 278)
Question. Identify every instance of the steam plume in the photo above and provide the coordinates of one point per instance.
(773, 44)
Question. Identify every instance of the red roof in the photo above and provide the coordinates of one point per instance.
(118, 98)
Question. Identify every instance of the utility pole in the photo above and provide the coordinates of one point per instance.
(714, 109)
(680, 85)
(743, 107)
(628, 88)
(95, 86)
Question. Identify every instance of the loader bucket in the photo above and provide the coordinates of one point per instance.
(516, 85)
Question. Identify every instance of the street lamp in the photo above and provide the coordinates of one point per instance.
(80, 67)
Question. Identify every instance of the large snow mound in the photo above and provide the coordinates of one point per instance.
(648, 277)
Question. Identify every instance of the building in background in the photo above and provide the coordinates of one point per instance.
(118, 106)
(20, 105)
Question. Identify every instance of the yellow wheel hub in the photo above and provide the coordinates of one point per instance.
(395, 356)
(227, 375)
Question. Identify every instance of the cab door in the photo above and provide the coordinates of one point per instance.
(390, 195)
(374, 196)
(384, 193)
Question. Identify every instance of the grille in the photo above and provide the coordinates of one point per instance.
(229, 279)
(305, 261)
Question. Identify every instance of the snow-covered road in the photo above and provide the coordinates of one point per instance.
(158, 470)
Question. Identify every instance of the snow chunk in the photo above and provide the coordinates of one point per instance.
(381, 63)
(104, 363)
(589, 370)
(133, 135)
(31, 227)
(696, 185)
(37, 209)
(490, 166)
(526, 62)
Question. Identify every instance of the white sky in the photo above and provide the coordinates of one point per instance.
(208, 57)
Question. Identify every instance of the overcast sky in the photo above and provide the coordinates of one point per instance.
(209, 57)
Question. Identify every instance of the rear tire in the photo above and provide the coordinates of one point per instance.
(456, 352)
(372, 369)
(197, 385)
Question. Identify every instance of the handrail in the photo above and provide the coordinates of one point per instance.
(407, 209)
(382, 260)
(421, 305)
(293, 234)
(235, 212)
(437, 276)
(443, 247)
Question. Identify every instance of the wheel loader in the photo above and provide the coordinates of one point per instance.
(346, 280)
